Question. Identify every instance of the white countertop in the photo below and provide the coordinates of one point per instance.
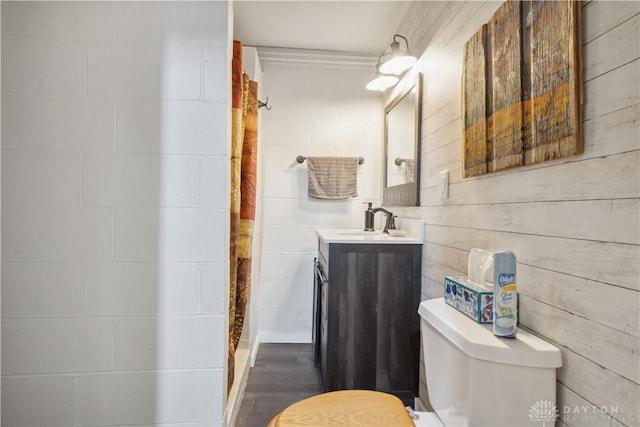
(413, 228)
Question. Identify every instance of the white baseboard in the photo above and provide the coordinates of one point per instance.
(285, 338)
(236, 393)
(254, 351)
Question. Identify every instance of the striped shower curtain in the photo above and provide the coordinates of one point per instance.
(244, 138)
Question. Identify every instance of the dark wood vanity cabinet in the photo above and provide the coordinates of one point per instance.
(366, 326)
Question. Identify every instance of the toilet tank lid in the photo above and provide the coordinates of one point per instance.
(478, 341)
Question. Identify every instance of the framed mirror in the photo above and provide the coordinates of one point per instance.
(401, 164)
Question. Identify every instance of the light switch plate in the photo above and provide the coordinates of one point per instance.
(444, 184)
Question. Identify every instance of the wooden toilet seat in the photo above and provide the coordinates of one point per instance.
(345, 408)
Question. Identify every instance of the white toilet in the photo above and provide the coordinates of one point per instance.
(476, 379)
(473, 379)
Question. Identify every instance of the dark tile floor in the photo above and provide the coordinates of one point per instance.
(283, 374)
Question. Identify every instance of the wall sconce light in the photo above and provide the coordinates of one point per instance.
(380, 81)
(397, 61)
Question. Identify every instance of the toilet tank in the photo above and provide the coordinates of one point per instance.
(476, 379)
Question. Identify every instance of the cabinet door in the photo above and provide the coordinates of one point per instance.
(358, 300)
(398, 325)
(318, 279)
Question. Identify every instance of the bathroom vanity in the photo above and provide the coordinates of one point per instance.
(366, 326)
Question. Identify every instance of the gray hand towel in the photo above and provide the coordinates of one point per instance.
(409, 165)
(333, 178)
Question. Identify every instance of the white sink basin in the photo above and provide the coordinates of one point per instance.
(412, 228)
(358, 233)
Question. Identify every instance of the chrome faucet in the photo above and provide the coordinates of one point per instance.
(390, 222)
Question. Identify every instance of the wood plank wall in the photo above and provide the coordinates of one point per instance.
(573, 223)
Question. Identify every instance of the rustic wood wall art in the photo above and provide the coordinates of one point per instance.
(521, 87)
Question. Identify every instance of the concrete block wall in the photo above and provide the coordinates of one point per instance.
(114, 213)
(316, 111)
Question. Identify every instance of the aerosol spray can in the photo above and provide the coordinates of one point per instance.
(505, 299)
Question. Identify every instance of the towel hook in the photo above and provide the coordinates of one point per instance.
(264, 104)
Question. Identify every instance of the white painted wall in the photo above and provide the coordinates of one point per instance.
(573, 223)
(315, 111)
(115, 213)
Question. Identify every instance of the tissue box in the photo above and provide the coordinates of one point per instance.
(469, 298)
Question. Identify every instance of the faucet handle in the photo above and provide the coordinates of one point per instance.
(392, 222)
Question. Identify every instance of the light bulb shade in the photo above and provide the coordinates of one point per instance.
(382, 82)
(397, 63)
(399, 59)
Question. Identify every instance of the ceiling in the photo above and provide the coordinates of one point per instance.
(347, 26)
